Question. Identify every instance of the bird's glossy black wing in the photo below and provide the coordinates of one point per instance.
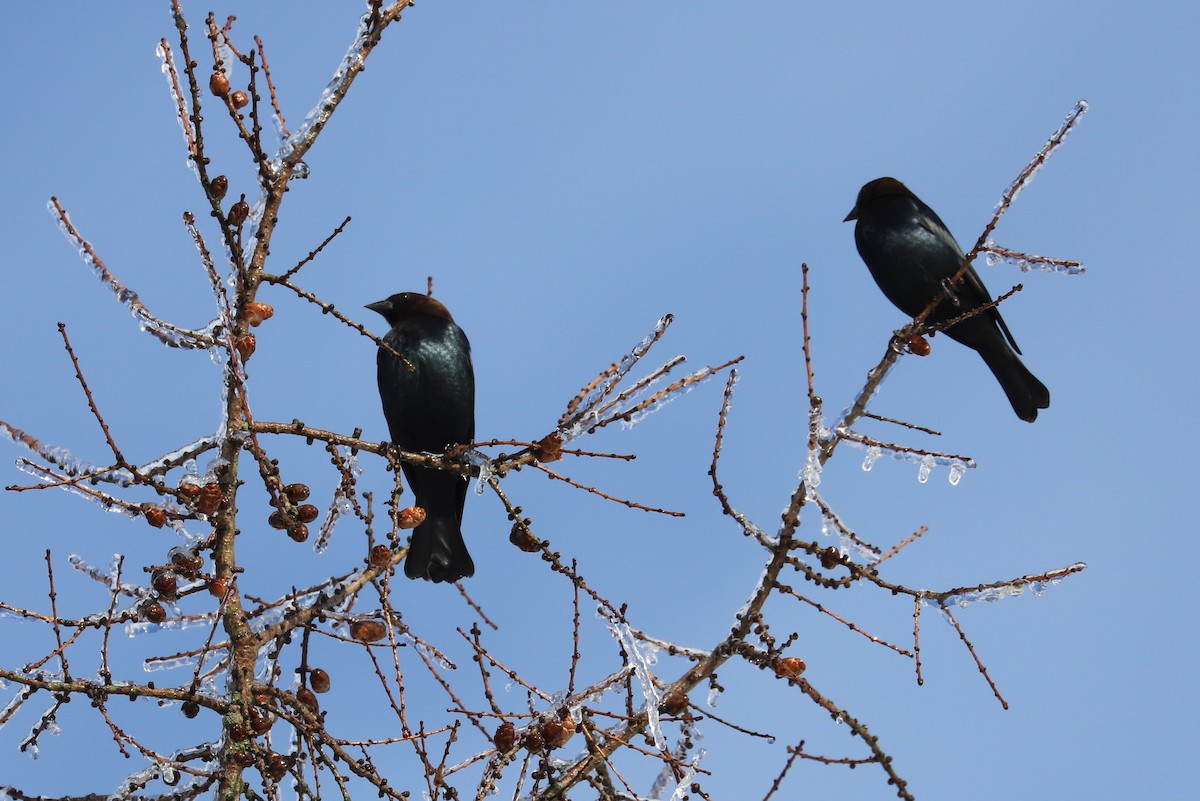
(429, 395)
(972, 290)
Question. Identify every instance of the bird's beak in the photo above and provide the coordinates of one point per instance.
(853, 215)
(381, 306)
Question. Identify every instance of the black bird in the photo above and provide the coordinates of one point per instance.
(912, 256)
(429, 403)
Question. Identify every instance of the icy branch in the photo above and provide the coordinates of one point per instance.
(168, 334)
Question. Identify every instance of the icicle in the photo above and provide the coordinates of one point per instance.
(684, 785)
(873, 454)
(642, 656)
(327, 526)
(926, 467)
(485, 470)
(925, 462)
(811, 473)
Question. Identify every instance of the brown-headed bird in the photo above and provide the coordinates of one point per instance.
(429, 403)
(912, 256)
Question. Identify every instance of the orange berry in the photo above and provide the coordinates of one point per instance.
(210, 498)
(218, 84)
(186, 563)
(365, 629)
(505, 737)
(245, 346)
(534, 742)
(830, 558)
(154, 612)
(411, 517)
(381, 556)
(238, 212)
(523, 538)
(789, 667)
(548, 448)
(296, 492)
(155, 515)
(276, 766)
(239, 732)
(257, 311)
(556, 732)
(165, 584)
(306, 697)
(318, 679)
(260, 721)
(674, 703)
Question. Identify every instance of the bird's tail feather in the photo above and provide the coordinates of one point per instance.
(1024, 391)
(437, 551)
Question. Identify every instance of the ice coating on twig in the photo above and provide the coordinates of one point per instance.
(62, 458)
(168, 334)
(107, 577)
(1042, 156)
(642, 656)
(105, 502)
(991, 593)
(140, 628)
(683, 784)
(135, 782)
(993, 254)
(11, 707)
(325, 534)
(925, 460)
(320, 113)
(181, 455)
(164, 55)
(575, 422)
(846, 543)
(173, 663)
(696, 379)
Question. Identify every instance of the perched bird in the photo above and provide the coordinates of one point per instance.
(429, 403)
(912, 256)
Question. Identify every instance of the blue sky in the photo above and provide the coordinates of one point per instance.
(568, 173)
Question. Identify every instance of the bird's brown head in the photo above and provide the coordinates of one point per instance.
(880, 187)
(404, 305)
